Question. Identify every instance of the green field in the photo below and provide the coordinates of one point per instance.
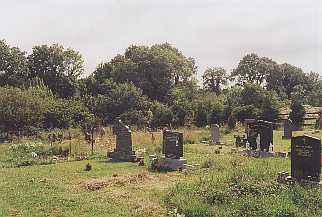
(223, 184)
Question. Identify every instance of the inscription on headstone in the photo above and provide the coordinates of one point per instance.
(306, 158)
(172, 144)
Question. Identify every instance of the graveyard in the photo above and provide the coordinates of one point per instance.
(160, 108)
(219, 181)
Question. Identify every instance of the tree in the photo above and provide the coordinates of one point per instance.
(63, 113)
(59, 68)
(253, 69)
(155, 70)
(214, 78)
(285, 78)
(297, 114)
(22, 110)
(256, 102)
(13, 66)
(115, 99)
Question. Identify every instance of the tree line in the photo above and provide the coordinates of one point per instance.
(151, 86)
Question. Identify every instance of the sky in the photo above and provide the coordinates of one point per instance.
(214, 32)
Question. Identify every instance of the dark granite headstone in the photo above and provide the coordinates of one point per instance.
(262, 131)
(246, 124)
(123, 150)
(172, 144)
(288, 129)
(306, 158)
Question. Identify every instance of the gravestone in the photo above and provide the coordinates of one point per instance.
(215, 135)
(260, 135)
(123, 150)
(246, 124)
(288, 129)
(306, 158)
(173, 150)
(172, 144)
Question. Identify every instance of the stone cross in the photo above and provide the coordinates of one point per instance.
(306, 158)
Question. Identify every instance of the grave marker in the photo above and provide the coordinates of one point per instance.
(306, 158)
(288, 129)
(215, 134)
(123, 150)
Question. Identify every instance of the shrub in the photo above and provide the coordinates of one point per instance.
(22, 110)
(65, 114)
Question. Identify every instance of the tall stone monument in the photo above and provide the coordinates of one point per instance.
(123, 150)
(306, 158)
(288, 129)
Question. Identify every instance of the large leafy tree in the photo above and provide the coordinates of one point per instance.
(253, 69)
(256, 102)
(115, 99)
(13, 65)
(285, 79)
(59, 68)
(154, 69)
(214, 79)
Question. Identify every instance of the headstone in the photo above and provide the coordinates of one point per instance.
(172, 144)
(215, 135)
(123, 150)
(288, 129)
(173, 150)
(246, 124)
(306, 158)
(260, 135)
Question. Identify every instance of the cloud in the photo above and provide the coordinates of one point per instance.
(216, 33)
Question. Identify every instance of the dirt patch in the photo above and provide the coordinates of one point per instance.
(134, 179)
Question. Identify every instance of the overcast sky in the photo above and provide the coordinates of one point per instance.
(214, 32)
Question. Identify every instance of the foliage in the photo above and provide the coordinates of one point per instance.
(22, 109)
(253, 69)
(234, 187)
(256, 102)
(65, 114)
(285, 78)
(13, 66)
(59, 68)
(114, 99)
(214, 79)
(162, 115)
(154, 69)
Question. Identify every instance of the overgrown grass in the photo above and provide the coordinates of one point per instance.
(225, 185)
(235, 186)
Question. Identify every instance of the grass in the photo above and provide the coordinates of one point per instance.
(225, 184)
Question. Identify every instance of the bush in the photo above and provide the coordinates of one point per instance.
(66, 113)
(22, 110)
(162, 115)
